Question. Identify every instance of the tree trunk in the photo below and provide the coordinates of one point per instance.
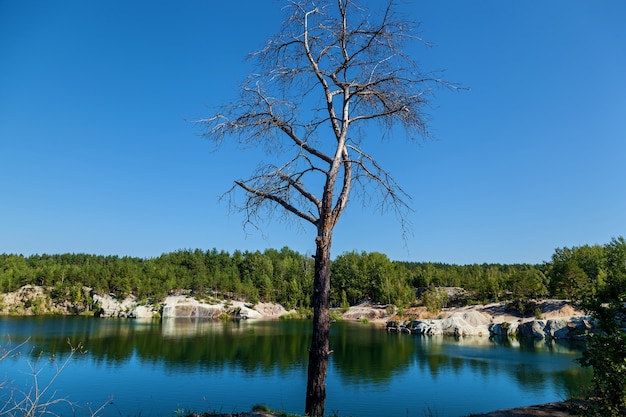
(318, 351)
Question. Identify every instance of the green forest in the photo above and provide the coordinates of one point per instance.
(285, 276)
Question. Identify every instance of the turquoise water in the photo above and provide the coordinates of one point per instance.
(161, 368)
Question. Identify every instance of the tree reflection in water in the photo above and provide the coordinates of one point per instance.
(363, 355)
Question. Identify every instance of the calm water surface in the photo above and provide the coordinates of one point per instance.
(158, 368)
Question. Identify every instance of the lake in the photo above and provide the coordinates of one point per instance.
(163, 368)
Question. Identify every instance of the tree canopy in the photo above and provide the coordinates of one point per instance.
(284, 276)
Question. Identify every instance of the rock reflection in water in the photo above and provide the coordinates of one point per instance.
(204, 363)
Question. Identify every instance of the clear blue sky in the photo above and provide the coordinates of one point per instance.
(97, 154)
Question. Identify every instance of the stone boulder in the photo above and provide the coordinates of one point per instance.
(366, 311)
(263, 310)
(557, 328)
(505, 328)
(111, 306)
(533, 328)
(427, 327)
(571, 328)
(464, 323)
(471, 323)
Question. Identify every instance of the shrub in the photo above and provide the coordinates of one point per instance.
(606, 354)
(300, 314)
(335, 315)
(524, 307)
(434, 299)
(261, 408)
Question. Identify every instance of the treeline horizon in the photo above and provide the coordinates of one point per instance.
(286, 277)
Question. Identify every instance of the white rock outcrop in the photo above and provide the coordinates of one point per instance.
(182, 306)
(467, 323)
(474, 323)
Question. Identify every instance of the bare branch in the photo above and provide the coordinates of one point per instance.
(258, 120)
(272, 197)
(332, 66)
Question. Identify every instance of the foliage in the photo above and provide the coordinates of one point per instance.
(224, 316)
(369, 276)
(335, 315)
(285, 277)
(261, 408)
(528, 283)
(434, 298)
(300, 314)
(606, 354)
(282, 276)
(606, 349)
(578, 273)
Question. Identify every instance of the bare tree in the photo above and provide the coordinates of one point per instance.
(334, 73)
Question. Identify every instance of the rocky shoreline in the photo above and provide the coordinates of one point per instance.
(35, 300)
(551, 319)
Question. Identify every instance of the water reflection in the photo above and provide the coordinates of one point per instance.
(362, 354)
(190, 327)
(376, 357)
(371, 372)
